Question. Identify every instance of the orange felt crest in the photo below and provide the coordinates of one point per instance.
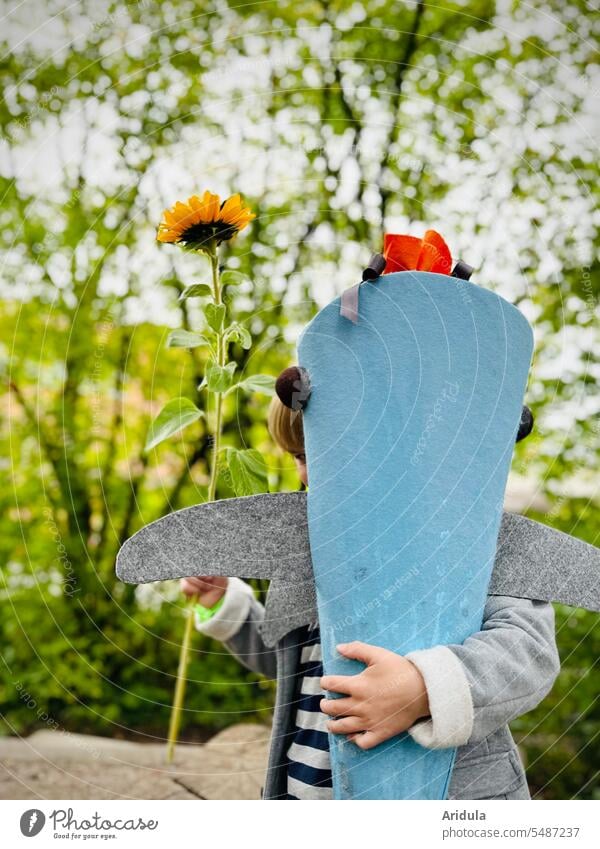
(409, 253)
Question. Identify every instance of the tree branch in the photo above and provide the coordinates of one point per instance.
(401, 70)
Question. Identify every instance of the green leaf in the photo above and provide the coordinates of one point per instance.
(248, 471)
(196, 290)
(174, 416)
(264, 383)
(218, 378)
(186, 339)
(238, 333)
(231, 277)
(215, 316)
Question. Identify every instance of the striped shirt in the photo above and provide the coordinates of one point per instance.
(308, 762)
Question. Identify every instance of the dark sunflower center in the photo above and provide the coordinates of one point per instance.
(201, 233)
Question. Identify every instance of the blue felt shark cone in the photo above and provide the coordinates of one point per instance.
(409, 432)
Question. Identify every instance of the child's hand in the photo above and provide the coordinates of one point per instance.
(383, 700)
(208, 588)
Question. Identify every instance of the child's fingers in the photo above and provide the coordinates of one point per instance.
(186, 586)
(338, 707)
(361, 651)
(346, 725)
(368, 740)
(198, 584)
(338, 683)
(194, 586)
(203, 580)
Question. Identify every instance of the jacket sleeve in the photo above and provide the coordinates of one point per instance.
(497, 674)
(236, 625)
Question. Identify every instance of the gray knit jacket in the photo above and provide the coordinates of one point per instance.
(474, 689)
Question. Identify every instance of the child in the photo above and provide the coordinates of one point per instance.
(447, 696)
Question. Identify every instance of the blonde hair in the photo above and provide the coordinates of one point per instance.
(285, 426)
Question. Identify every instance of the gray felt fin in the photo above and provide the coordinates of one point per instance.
(266, 536)
(258, 536)
(538, 562)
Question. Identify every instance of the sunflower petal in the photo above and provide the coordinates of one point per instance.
(231, 209)
(210, 207)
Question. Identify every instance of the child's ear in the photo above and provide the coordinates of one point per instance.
(525, 425)
(293, 387)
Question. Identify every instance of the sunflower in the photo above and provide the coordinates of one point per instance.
(202, 223)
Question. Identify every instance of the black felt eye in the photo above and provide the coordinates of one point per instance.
(525, 425)
(375, 268)
(293, 387)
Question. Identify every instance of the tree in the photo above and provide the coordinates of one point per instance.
(337, 121)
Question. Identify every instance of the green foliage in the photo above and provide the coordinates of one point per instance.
(174, 416)
(264, 383)
(247, 470)
(117, 681)
(196, 290)
(219, 378)
(186, 339)
(215, 316)
(238, 333)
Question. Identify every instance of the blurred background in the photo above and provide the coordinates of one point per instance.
(336, 121)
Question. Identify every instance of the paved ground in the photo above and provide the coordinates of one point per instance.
(56, 765)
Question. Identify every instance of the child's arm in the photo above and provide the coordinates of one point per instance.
(236, 623)
(449, 696)
(497, 674)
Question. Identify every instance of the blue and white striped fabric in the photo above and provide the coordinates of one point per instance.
(309, 765)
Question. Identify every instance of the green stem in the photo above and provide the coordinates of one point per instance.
(184, 653)
(178, 699)
(214, 469)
